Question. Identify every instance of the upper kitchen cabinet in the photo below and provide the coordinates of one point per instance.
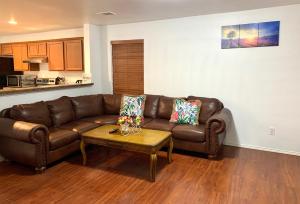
(73, 55)
(6, 49)
(63, 54)
(19, 52)
(37, 49)
(55, 52)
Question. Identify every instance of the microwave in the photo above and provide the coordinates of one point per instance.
(14, 80)
(21, 80)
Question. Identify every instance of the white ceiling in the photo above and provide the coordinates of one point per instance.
(44, 15)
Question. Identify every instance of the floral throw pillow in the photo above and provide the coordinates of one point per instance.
(186, 112)
(132, 106)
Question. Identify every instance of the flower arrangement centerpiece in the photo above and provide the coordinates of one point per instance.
(130, 125)
(131, 114)
(124, 122)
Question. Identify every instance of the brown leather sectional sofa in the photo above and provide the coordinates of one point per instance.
(52, 128)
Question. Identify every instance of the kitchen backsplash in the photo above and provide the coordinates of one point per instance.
(71, 77)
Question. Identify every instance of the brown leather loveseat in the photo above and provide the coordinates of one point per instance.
(40, 133)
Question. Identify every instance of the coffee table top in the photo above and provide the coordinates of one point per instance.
(145, 137)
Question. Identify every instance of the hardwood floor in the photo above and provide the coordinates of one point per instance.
(112, 176)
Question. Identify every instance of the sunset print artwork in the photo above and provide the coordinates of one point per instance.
(251, 35)
(230, 36)
(248, 35)
(268, 34)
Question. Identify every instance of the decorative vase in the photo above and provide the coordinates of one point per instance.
(124, 129)
(137, 128)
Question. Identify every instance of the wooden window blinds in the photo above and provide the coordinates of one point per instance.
(128, 66)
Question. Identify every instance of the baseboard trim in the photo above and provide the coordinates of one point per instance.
(267, 149)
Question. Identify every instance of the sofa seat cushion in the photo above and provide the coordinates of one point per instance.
(60, 137)
(193, 133)
(102, 119)
(79, 126)
(159, 124)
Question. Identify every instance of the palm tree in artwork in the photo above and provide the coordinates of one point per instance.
(231, 35)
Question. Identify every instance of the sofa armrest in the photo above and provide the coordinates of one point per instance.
(24, 142)
(216, 128)
(223, 119)
(24, 131)
(5, 113)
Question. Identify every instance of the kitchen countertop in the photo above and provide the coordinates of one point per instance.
(12, 90)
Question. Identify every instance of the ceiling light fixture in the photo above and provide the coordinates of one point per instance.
(12, 22)
(106, 13)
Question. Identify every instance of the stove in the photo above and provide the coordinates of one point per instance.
(45, 81)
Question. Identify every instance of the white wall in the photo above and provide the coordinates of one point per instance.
(94, 53)
(92, 47)
(259, 85)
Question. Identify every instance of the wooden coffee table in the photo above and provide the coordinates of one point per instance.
(147, 142)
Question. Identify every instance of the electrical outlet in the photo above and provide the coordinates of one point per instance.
(272, 131)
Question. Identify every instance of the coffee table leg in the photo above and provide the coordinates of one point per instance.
(170, 149)
(82, 148)
(153, 161)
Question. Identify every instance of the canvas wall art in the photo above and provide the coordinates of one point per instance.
(248, 35)
(251, 35)
(268, 34)
(230, 36)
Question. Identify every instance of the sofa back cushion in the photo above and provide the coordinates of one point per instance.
(5, 113)
(61, 111)
(151, 106)
(112, 104)
(33, 113)
(209, 107)
(165, 107)
(87, 106)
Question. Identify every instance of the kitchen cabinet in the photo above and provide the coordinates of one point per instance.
(6, 49)
(63, 54)
(37, 49)
(73, 55)
(55, 52)
(20, 53)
